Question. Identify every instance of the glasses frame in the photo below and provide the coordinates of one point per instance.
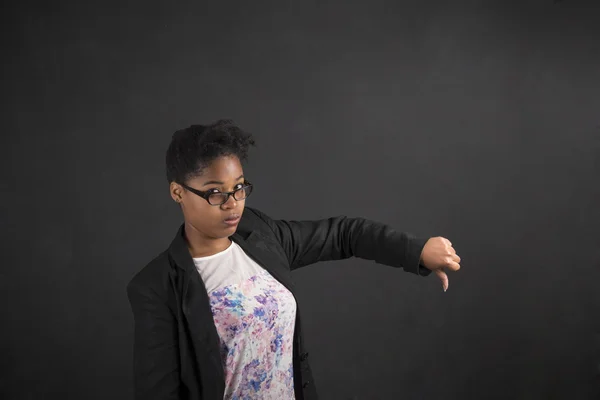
(207, 193)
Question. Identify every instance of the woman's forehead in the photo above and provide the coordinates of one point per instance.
(223, 170)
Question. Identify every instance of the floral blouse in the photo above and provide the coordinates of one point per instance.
(254, 315)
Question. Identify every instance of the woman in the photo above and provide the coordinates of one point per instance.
(215, 313)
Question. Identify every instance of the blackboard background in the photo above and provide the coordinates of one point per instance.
(475, 120)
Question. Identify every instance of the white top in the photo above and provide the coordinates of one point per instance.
(255, 317)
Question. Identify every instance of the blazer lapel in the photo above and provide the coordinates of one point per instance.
(195, 305)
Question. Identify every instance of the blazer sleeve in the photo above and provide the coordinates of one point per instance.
(336, 238)
(155, 349)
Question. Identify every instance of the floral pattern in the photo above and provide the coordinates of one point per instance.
(255, 320)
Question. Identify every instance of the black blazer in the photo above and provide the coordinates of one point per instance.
(176, 344)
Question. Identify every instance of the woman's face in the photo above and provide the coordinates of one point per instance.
(224, 174)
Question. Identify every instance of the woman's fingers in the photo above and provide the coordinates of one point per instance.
(443, 277)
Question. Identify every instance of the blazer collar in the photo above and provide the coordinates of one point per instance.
(181, 254)
(250, 240)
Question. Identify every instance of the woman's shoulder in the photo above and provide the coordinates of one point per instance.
(153, 276)
(257, 218)
(254, 213)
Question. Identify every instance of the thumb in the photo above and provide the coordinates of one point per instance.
(443, 277)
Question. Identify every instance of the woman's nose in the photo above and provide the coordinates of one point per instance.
(230, 203)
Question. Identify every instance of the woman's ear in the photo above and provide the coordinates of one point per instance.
(176, 192)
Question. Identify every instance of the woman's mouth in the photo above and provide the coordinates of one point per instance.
(232, 221)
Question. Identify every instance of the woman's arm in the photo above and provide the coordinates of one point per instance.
(336, 238)
(155, 351)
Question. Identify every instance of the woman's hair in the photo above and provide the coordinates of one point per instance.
(193, 149)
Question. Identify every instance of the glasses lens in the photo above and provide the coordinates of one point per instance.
(220, 198)
(217, 198)
(242, 193)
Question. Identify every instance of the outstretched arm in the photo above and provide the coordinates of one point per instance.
(336, 238)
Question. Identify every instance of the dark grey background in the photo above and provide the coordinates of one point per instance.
(478, 121)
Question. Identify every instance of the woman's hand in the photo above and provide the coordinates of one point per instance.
(438, 254)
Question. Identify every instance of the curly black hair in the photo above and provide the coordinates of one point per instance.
(192, 149)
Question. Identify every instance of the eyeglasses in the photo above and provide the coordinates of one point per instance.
(216, 198)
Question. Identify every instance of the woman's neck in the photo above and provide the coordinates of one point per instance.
(202, 246)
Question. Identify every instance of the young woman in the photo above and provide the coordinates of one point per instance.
(215, 313)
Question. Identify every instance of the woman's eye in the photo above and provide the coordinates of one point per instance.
(236, 187)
